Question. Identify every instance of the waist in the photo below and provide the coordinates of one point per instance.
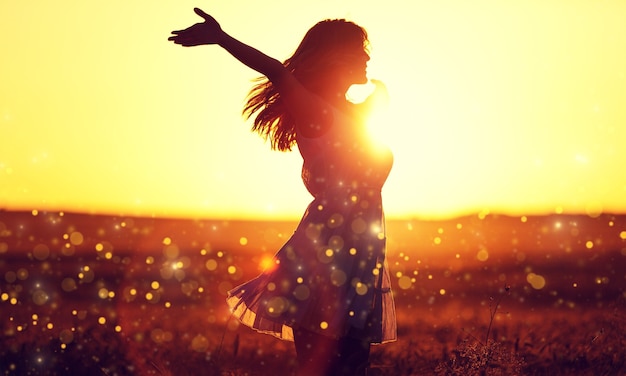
(341, 189)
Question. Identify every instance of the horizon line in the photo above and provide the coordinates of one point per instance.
(426, 218)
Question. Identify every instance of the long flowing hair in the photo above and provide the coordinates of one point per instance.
(318, 52)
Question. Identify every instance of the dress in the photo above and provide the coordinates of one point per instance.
(331, 276)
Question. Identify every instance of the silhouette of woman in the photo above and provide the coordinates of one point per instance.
(329, 286)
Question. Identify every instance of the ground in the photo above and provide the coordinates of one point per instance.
(484, 295)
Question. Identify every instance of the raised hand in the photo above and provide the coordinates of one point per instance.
(380, 94)
(207, 32)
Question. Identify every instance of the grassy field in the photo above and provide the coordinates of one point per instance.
(95, 295)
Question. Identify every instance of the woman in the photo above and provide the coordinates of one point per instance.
(329, 289)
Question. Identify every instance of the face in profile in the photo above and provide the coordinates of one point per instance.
(352, 65)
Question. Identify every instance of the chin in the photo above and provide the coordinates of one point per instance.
(361, 80)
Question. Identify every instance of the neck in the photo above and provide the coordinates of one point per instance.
(334, 92)
(336, 98)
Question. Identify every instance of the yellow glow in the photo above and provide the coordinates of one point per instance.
(509, 107)
(267, 262)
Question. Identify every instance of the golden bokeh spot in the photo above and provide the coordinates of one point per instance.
(76, 238)
(622, 235)
(103, 293)
(536, 281)
(167, 240)
(336, 242)
(358, 226)
(589, 244)
(68, 284)
(404, 282)
(375, 228)
(361, 288)
(243, 240)
(267, 263)
(335, 220)
(325, 256)
(324, 325)
(171, 251)
(22, 274)
(199, 343)
(155, 285)
(301, 292)
(594, 209)
(210, 264)
(338, 277)
(40, 297)
(482, 255)
(312, 231)
(353, 251)
(102, 320)
(41, 252)
(66, 336)
(232, 269)
(276, 306)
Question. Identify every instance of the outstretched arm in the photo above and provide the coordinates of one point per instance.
(210, 32)
(304, 106)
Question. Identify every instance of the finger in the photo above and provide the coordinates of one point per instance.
(201, 13)
(183, 30)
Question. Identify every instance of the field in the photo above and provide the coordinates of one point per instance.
(479, 295)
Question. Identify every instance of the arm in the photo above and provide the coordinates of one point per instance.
(311, 114)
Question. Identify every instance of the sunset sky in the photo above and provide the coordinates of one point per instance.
(515, 107)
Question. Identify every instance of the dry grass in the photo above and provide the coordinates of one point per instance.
(454, 318)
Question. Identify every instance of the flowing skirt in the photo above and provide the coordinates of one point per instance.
(330, 276)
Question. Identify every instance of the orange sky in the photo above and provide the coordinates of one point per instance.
(495, 106)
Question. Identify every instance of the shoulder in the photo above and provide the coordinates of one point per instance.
(312, 115)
